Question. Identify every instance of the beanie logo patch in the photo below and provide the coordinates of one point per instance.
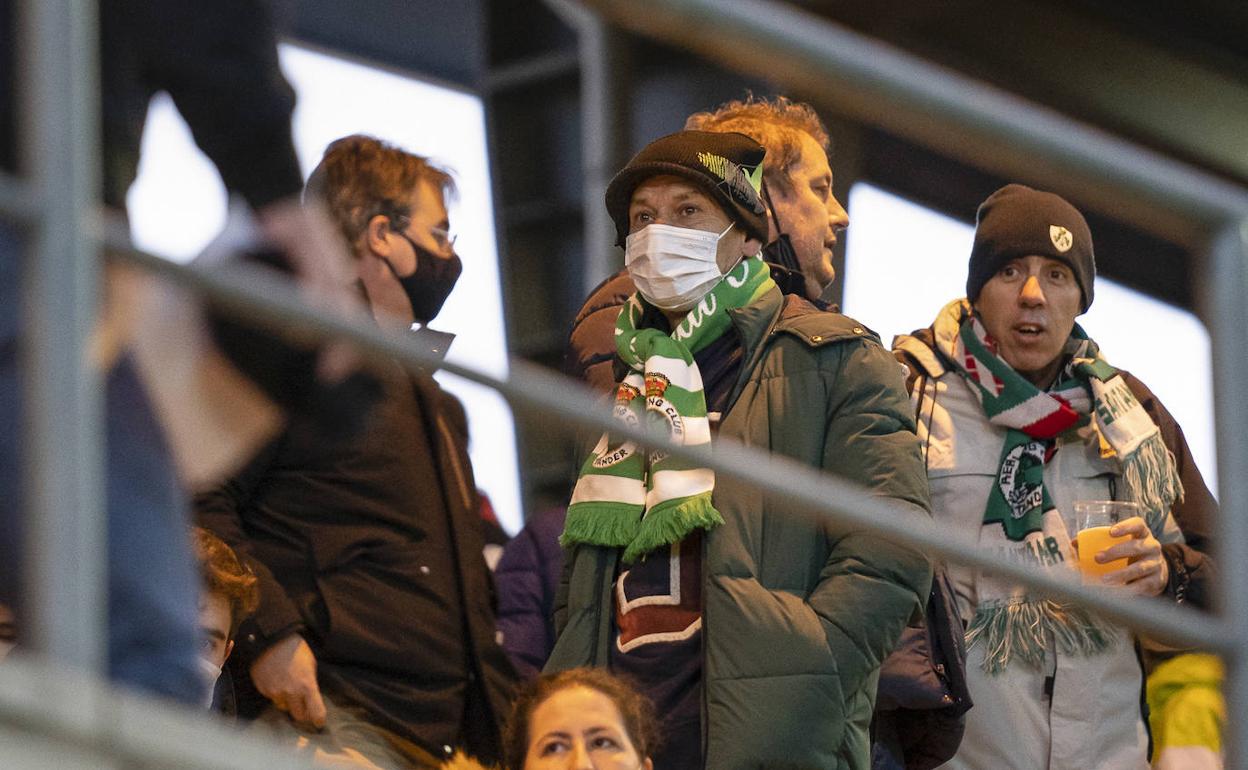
(742, 185)
(1061, 237)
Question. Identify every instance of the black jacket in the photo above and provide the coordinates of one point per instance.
(218, 61)
(371, 548)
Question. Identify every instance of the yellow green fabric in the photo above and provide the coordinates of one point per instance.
(1185, 703)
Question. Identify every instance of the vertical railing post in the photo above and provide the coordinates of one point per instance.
(604, 138)
(1226, 286)
(65, 534)
(604, 129)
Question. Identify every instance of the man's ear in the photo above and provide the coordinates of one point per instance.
(377, 235)
(751, 247)
(229, 648)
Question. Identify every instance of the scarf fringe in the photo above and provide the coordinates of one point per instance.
(1150, 476)
(601, 522)
(1018, 631)
(670, 521)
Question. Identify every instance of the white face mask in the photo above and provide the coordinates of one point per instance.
(209, 672)
(6, 648)
(673, 267)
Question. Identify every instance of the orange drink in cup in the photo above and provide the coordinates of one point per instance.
(1093, 520)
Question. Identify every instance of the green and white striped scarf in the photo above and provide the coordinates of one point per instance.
(640, 501)
(1020, 517)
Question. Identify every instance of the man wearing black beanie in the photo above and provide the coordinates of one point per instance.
(1017, 221)
(1022, 416)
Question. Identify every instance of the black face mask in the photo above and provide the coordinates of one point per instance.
(781, 258)
(428, 287)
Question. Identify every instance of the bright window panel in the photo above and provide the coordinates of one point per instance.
(904, 262)
(178, 205)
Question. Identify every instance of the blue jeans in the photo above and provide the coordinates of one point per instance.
(153, 590)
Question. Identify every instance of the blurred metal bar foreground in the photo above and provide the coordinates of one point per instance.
(962, 117)
(64, 550)
(1227, 294)
(125, 730)
(267, 298)
(43, 705)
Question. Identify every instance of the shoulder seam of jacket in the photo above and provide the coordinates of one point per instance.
(922, 355)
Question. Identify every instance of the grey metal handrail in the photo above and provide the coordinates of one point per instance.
(105, 726)
(925, 102)
(993, 129)
(963, 117)
(266, 297)
(63, 461)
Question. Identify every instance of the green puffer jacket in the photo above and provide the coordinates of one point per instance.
(798, 613)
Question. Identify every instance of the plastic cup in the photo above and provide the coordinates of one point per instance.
(1093, 519)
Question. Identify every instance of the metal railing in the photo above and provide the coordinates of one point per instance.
(1155, 193)
(63, 464)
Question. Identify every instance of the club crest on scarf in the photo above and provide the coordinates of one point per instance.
(643, 501)
(607, 456)
(1022, 496)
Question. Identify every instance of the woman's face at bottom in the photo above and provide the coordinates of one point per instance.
(580, 728)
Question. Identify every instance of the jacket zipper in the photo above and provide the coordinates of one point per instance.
(449, 441)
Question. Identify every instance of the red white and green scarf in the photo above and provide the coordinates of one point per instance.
(640, 501)
(1020, 517)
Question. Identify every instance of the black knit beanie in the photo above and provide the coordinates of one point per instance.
(1017, 221)
(726, 166)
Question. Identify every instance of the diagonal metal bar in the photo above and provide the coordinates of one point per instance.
(264, 296)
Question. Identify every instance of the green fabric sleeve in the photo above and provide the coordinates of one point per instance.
(870, 588)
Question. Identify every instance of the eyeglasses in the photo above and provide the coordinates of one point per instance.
(443, 237)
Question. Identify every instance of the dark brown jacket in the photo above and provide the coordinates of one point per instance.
(372, 549)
